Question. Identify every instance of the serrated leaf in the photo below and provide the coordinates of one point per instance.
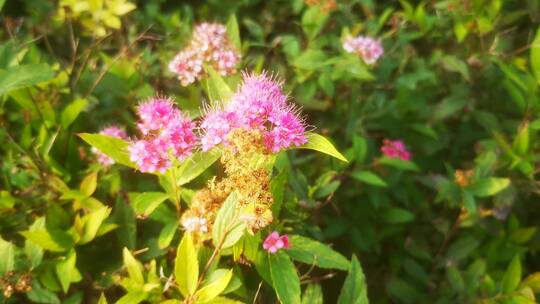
(489, 186)
(369, 177)
(186, 268)
(145, 203)
(195, 165)
(7, 256)
(512, 276)
(354, 289)
(134, 268)
(312, 252)
(217, 89)
(91, 224)
(320, 143)
(113, 147)
(313, 294)
(22, 76)
(67, 272)
(285, 279)
(72, 111)
(213, 289)
(228, 228)
(89, 184)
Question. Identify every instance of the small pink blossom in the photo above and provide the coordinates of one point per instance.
(209, 45)
(113, 131)
(368, 48)
(167, 134)
(259, 103)
(274, 242)
(395, 149)
(216, 126)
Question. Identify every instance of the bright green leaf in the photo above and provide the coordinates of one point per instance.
(512, 276)
(320, 143)
(214, 288)
(369, 177)
(7, 256)
(354, 289)
(72, 111)
(285, 279)
(22, 76)
(89, 184)
(67, 272)
(186, 268)
(313, 252)
(535, 55)
(145, 203)
(489, 186)
(134, 268)
(113, 147)
(228, 228)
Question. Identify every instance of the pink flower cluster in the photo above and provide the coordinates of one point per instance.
(209, 45)
(113, 131)
(395, 149)
(259, 103)
(274, 242)
(366, 47)
(167, 133)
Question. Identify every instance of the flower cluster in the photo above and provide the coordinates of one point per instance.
(395, 149)
(274, 242)
(209, 45)
(258, 104)
(366, 47)
(113, 131)
(166, 134)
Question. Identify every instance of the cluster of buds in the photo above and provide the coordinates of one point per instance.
(113, 131)
(167, 134)
(463, 178)
(209, 45)
(395, 149)
(367, 48)
(258, 104)
(13, 282)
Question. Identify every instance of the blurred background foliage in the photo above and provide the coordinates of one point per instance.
(458, 83)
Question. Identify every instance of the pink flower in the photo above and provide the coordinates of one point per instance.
(209, 45)
(395, 149)
(274, 242)
(259, 103)
(366, 47)
(288, 130)
(216, 126)
(113, 131)
(167, 134)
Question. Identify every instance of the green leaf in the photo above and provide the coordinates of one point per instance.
(399, 164)
(38, 294)
(145, 203)
(310, 60)
(369, 177)
(228, 228)
(72, 111)
(521, 142)
(102, 299)
(92, 222)
(213, 289)
(489, 186)
(124, 217)
(512, 276)
(217, 89)
(313, 21)
(320, 143)
(453, 64)
(234, 33)
(312, 252)
(354, 289)
(313, 294)
(535, 55)
(195, 165)
(67, 272)
(186, 268)
(113, 147)
(285, 279)
(23, 76)
(7, 256)
(132, 297)
(89, 184)
(56, 242)
(398, 216)
(134, 268)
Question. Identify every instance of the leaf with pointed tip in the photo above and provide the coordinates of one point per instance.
(320, 143)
